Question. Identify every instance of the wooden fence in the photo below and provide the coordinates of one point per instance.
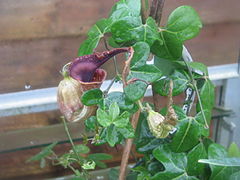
(38, 37)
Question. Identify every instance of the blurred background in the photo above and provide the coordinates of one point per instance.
(38, 37)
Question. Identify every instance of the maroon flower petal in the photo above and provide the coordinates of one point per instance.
(84, 67)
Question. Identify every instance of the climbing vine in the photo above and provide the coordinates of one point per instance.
(174, 141)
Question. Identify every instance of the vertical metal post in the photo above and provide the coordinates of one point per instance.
(228, 131)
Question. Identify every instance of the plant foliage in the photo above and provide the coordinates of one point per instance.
(185, 153)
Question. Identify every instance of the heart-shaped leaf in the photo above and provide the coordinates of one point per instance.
(216, 151)
(124, 8)
(122, 120)
(141, 53)
(114, 110)
(207, 96)
(185, 22)
(187, 135)
(130, 30)
(174, 163)
(94, 35)
(135, 90)
(103, 118)
(180, 83)
(169, 47)
(148, 73)
(193, 166)
(92, 97)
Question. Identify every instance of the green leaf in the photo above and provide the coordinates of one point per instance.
(235, 176)
(185, 22)
(201, 123)
(44, 153)
(207, 96)
(99, 156)
(82, 149)
(141, 53)
(114, 111)
(143, 173)
(233, 150)
(122, 120)
(112, 43)
(113, 174)
(135, 90)
(165, 66)
(199, 117)
(180, 83)
(112, 135)
(195, 65)
(170, 160)
(193, 166)
(155, 167)
(131, 29)
(90, 123)
(146, 145)
(174, 163)
(125, 8)
(92, 97)
(169, 47)
(226, 162)
(148, 73)
(178, 110)
(94, 35)
(216, 151)
(187, 136)
(119, 98)
(127, 131)
(144, 140)
(103, 118)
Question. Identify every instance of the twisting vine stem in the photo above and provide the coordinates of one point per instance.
(114, 57)
(196, 90)
(134, 120)
(156, 13)
(70, 139)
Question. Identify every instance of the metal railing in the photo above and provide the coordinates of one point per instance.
(32, 101)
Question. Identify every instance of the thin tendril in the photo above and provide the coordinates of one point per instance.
(70, 139)
(109, 86)
(198, 96)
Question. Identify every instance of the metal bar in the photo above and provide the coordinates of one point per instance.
(221, 72)
(40, 100)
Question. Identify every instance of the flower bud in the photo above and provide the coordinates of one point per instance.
(157, 125)
(69, 97)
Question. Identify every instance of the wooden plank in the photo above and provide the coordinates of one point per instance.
(32, 137)
(45, 18)
(216, 44)
(37, 62)
(14, 166)
(211, 12)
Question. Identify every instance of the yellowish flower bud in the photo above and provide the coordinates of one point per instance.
(157, 125)
(69, 97)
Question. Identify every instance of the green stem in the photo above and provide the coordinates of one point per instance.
(114, 58)
(115, 65)
(196, 90)
(70, 139)
(140, 105)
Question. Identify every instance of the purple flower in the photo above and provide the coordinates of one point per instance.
(84, 68)
(83, 74)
